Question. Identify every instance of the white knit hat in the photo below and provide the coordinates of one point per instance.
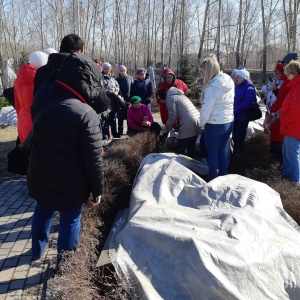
(106, 65)
(50, 50)
(243, 73)
(38, 59)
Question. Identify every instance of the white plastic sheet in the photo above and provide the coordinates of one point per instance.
(186, 239)
(8, 115)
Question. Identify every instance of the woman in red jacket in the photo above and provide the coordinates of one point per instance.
(169, 80)
(290, 124)
(23, 92)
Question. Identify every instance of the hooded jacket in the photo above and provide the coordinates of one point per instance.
(290, 112)
(245, 95)
(65, 162)
(177, 83)
(142, 88)
(23, 93)
(217, 106)
(181, 108)
(275, 134)
(47, 73)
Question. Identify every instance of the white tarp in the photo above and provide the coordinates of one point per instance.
(9, 76)
(8, 115)
(188, 239)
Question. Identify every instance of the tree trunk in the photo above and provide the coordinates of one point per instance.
(203, 32)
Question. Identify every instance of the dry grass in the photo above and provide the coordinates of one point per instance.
(78, 272)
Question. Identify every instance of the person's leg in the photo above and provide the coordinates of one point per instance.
(181, 146)
(105, 128)
(69, 230)
(155, 127)
(41, 224)
(239, 135)
(212, 141)
(224, 149)
(113, 124)
(191, 143)
(291, 162)
(276, 150)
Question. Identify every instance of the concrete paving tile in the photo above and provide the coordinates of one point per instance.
(20, 275)
(6, 274)
(9, 225)
(6, 245)
(12, 237)
(3, 209)
(14, 294)
(4, 288)
(8, 263)
(24, 260)
(12, 255)
(34, 277)
(24, 235)
(22, 209)
(17, 204)
(3, 235)
(19, 245)
(22, 268)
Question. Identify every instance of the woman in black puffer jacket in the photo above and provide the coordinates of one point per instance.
(65, 163)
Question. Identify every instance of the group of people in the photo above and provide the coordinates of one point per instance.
(282, 117)
(61, 97)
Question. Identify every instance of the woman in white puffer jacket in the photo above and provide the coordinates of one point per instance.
(216, 115)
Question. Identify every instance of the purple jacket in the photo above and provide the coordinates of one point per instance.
(135, 117)
(245, 95)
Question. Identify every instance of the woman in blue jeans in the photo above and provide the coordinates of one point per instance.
(216, 115)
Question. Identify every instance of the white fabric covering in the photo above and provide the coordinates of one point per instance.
(186, 239)
(8, 116)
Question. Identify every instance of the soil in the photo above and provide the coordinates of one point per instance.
(8, 136)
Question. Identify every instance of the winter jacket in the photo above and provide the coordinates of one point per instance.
(135, 117)
(217, 106)
(245, 95)
(125, 85)
(290, 112)
(275, 134)
(270, 94)
(110, 83)
(181, 108)
(144, 89)
(23, 93)
(66, 160)
(47, 73)
(177, 83)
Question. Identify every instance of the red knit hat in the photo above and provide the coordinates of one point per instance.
(279, 67)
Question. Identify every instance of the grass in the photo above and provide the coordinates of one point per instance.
(3, 102)
(121, 162)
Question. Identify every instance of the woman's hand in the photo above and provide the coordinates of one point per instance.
(94, 200)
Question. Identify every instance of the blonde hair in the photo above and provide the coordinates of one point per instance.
(211, 68)
(292, 68)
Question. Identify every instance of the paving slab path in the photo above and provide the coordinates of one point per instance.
(21, 278)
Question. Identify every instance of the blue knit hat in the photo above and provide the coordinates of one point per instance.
(289, 57)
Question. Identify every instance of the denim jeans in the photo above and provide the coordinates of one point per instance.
(238, 135)
(291, 158)
(69, 229)
(217, 140)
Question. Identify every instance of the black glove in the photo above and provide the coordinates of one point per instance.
(176, 128)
